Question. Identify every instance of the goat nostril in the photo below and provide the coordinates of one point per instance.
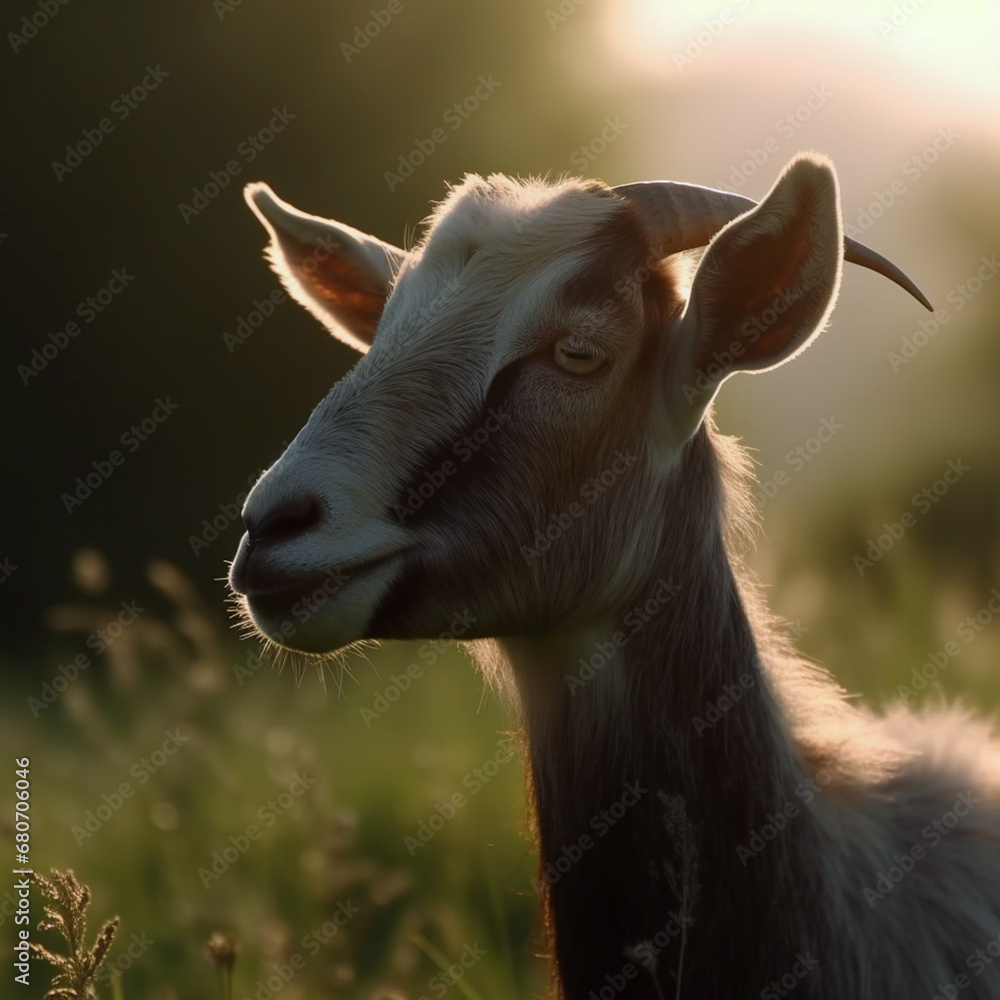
(290, 518)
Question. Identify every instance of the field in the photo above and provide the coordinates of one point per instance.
(363, 834)
(198, 791)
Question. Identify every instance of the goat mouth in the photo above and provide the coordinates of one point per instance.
(308, 592)
(300, 600)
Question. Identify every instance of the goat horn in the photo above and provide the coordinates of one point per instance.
(684, 216)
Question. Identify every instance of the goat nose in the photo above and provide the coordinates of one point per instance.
(286, 519)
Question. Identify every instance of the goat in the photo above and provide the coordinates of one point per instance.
(528, 436)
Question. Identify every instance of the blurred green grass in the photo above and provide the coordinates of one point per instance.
(340, 846)
(336, 849)
(873, 625)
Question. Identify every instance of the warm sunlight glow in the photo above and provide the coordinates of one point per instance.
(955, 43)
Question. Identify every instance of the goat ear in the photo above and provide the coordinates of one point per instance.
(763, 290)
(341, 275)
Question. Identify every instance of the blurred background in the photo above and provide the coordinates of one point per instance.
(131, 130)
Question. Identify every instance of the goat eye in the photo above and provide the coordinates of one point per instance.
(578, 356)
